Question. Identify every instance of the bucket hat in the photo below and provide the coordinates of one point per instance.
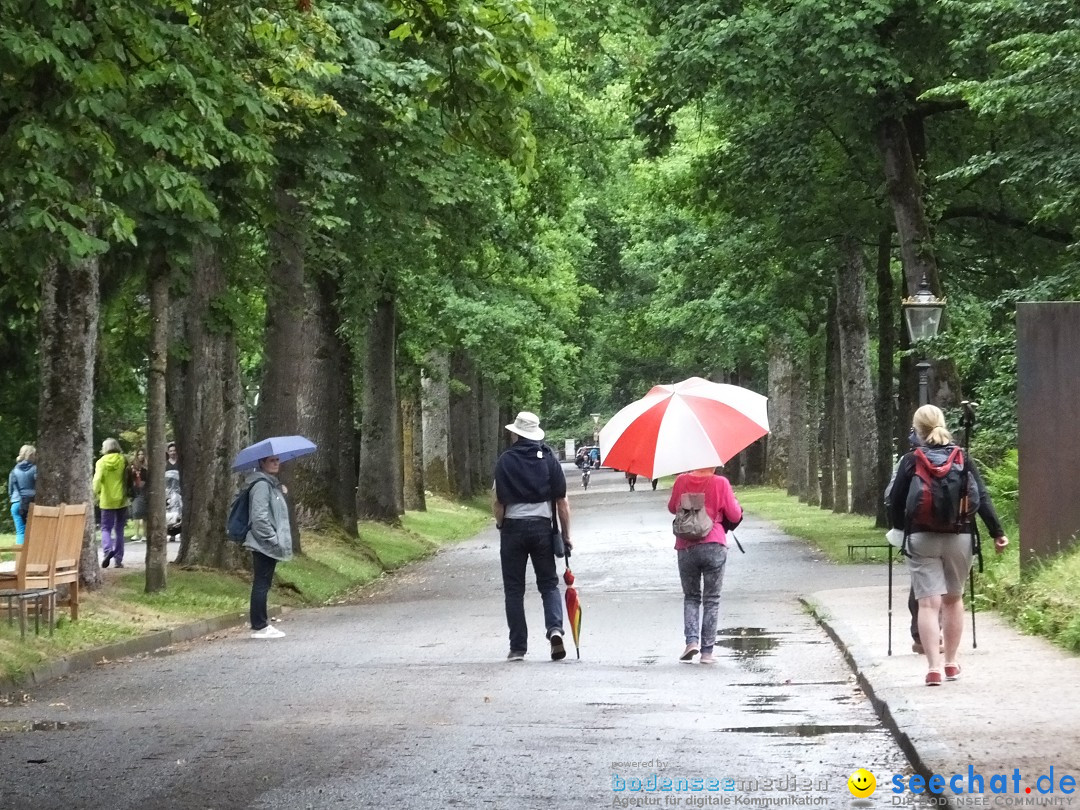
(527, 425)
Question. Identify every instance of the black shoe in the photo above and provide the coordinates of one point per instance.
(558, 649)
(108, 559)
(119, 565)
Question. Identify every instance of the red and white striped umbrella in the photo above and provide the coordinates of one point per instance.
(682, 427)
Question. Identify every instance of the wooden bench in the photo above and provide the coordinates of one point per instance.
(48, 559)
(32, 580)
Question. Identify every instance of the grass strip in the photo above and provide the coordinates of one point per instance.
(828, 531)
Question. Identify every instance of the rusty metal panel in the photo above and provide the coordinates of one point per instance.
(1048, 404)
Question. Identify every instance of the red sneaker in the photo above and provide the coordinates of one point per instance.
(933, 678)
(952, 671)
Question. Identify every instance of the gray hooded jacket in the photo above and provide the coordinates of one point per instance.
(270, 533)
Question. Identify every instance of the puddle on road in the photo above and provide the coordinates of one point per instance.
(805, 730)
(10, 726)
(767, 700)
(746, 642)
(766, 704)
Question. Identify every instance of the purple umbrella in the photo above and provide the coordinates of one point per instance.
(284, 447)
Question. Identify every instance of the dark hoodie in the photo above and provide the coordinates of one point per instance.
(529, 472)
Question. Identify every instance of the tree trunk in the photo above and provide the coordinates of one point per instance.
(380, 482)
(157, 559)
(885, 404)
(68, 324)
(490, 431)
(461, 425)
(829, 395)
(905, 193)
(278, 413)
(412, 436)
(347, 482)
(779, 414)
(855, 371)
(324, 483)
(812, 374)
(476, 452)
(797, 434)
(435, 401)
(748, 467)
(207, 403)
(838, 420)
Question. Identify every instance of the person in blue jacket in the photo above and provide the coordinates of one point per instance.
(22, 487)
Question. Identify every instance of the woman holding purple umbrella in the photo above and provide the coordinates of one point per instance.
(269, 538)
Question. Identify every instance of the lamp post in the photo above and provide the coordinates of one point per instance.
(596, 428)
(922, 312)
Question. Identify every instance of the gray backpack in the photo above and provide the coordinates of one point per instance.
(692, 523)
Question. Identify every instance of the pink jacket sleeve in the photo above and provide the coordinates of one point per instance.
(729, 506)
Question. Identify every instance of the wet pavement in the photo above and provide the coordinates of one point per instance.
(405, 700)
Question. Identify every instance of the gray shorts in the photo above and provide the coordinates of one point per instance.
(939, 563)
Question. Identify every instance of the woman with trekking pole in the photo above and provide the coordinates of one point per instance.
(934, 498)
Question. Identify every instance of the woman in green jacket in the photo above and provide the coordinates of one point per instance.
(110, 493)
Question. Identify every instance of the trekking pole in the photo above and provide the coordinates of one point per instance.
(971, 589)
(890, 599)
(976, 548)
(976, 545)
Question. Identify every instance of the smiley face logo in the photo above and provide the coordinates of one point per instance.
(862, 784)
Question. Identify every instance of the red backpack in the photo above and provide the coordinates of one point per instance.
(942, 496)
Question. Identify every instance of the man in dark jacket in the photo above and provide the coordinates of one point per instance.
(529, 482)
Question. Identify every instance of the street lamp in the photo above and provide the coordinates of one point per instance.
(922, 312)
(596, 428)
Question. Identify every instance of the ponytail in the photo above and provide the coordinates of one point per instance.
(929, 424)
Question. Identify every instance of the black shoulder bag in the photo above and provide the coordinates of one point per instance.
(558, 547)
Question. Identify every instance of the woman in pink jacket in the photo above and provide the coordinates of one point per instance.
(701, 562)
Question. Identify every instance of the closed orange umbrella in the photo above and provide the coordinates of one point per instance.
(573, 606)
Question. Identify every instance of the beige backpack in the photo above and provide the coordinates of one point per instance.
(692, 523)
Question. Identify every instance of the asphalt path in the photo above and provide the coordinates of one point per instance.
(404, 699)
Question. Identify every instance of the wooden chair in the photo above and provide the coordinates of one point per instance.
(34, 567)
(69, 543)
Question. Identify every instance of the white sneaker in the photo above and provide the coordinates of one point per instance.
(268, 632)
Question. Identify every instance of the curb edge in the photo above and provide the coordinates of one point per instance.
(889, 708)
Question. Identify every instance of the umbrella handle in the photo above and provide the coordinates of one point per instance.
(736, 539)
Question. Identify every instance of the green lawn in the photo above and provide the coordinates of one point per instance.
(823, 528)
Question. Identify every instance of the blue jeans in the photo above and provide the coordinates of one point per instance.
(262, 577)
(20, 524)
(701, 569)
(520, 541)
